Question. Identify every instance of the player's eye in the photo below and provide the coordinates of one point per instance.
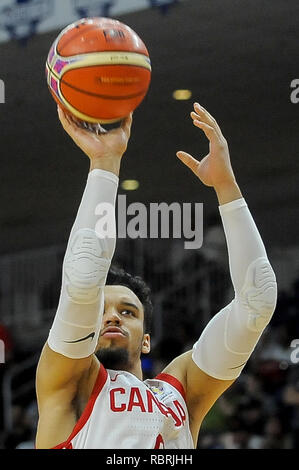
(127, 312)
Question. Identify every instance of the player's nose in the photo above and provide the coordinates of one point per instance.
(112, 316)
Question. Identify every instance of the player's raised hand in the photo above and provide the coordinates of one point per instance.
(215, 168)
(103, 148)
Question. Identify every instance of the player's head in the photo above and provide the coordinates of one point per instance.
(126, 325)
(118, 276)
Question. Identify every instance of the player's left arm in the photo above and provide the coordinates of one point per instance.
(228, 340)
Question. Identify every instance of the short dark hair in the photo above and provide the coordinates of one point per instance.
(118, 276)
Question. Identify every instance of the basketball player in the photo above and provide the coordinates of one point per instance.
(90, 402)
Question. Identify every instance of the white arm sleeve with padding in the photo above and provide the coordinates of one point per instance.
(86, 264)
(229, 338)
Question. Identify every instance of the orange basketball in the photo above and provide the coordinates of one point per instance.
(98, 69)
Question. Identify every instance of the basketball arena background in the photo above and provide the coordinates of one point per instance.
(239, 60)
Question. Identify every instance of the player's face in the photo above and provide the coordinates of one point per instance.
(122, 325)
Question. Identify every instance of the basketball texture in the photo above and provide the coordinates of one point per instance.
(98, 69)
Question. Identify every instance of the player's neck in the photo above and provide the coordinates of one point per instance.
(136, 370)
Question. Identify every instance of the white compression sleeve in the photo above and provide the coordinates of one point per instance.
(86, 263)
(229, 338)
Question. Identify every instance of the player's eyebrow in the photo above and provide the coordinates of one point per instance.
(128, 304)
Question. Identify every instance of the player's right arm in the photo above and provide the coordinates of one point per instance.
(67, 358)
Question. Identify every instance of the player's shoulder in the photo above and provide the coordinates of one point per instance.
(176, 371)
(178, 365)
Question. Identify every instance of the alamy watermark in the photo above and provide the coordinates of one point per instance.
(295, 353)
(2, 352)
(159, 220)
(294, 96)
(2, 92)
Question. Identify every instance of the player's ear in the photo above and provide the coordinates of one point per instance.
(146, 344)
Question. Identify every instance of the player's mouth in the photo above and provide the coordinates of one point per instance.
(113, 332)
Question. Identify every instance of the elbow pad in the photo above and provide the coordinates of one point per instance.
(78, 319)
(258, 295)
(230, 337)
(85, 269)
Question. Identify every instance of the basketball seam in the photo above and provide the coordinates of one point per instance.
(95, 119)
(96, 94)
(96, 65)
(107, 51)
(104, 97)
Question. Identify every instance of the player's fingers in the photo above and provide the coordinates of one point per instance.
(69, 125)
(201, 118)
(127, 123)
(188, 160)
(62, 117)
(209, 131)
(206, 117)
(198, 108)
